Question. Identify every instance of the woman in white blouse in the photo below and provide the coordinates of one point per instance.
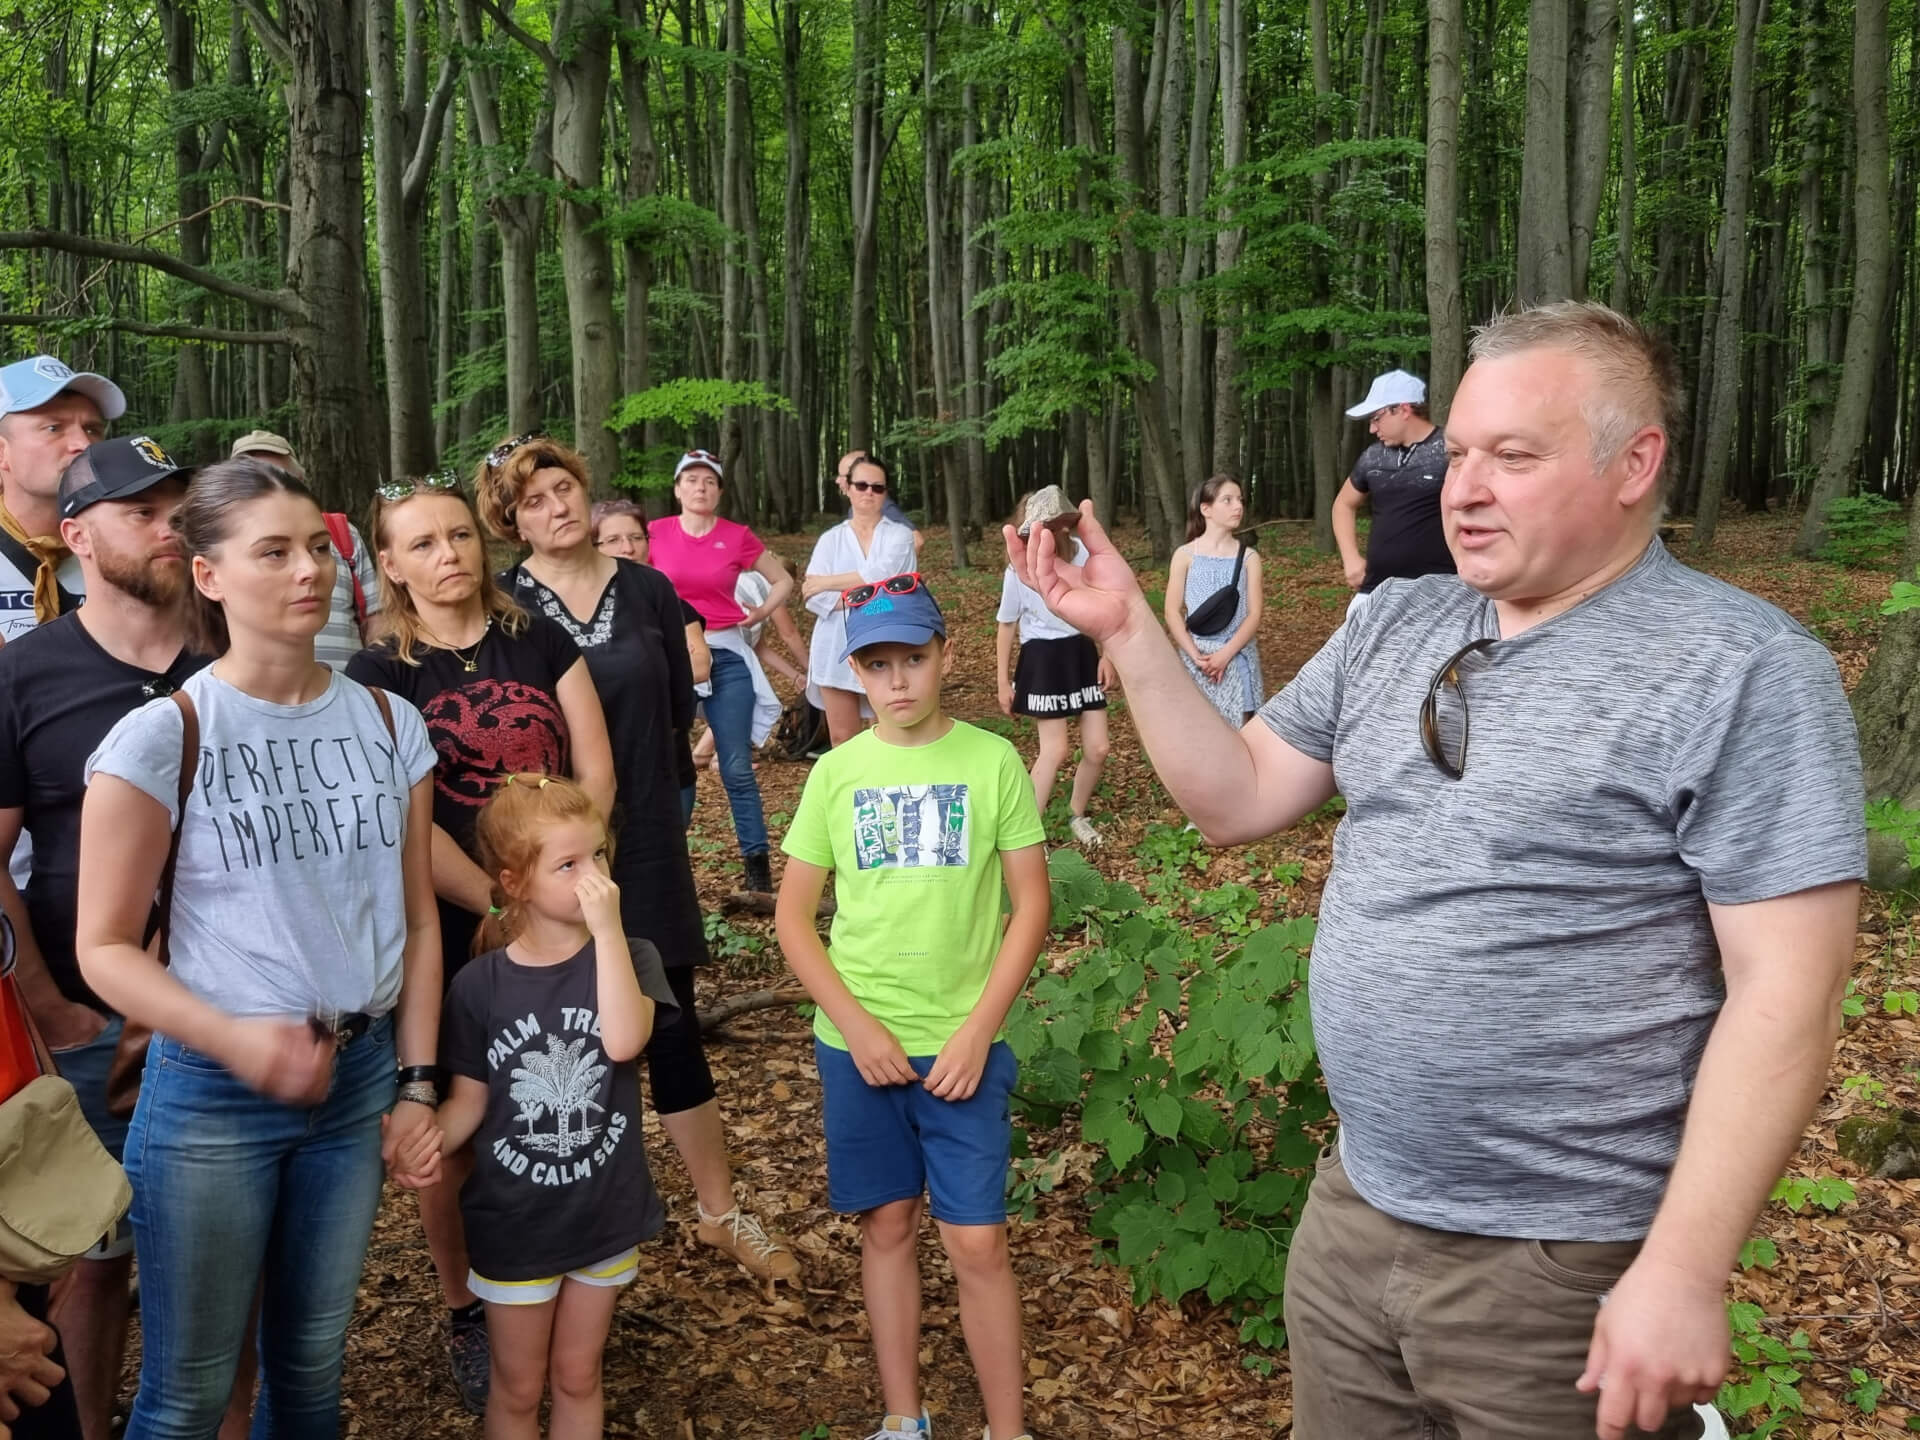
(864, 547)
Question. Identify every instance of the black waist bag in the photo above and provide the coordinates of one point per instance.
(1214, 612)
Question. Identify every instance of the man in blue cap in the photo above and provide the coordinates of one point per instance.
(1399, 478)
(49, 413)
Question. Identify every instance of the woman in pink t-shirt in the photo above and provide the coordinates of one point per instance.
(704, 556)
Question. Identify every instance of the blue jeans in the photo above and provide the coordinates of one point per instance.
(730, 716)
(231, 1188)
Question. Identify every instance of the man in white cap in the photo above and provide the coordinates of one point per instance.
(1399, 476)
(48, 415)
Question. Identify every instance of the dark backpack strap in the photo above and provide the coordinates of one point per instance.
(23, 560)
(189, 766)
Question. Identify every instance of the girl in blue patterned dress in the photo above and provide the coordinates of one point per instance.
(1226, 664)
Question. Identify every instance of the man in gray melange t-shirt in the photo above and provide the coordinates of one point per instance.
(1589, 918)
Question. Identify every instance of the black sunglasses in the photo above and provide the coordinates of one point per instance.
(859, 595)
(868, 486)
(1447, 675)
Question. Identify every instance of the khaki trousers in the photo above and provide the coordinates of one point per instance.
(1398, 1332)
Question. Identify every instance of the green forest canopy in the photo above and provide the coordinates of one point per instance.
(1117, 244)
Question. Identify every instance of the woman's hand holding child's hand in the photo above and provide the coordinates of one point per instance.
(599, 903)
(877, 1055)
(962, 1060)
(412, 1149)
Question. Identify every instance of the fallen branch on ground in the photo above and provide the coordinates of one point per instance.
(721, 1012)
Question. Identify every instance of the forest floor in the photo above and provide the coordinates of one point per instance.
(701, 1350)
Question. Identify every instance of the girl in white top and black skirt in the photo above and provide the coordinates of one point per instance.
(1061, 676)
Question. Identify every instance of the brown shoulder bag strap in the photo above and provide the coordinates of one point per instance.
(386, 708)
(189, 766)
(130, 1055)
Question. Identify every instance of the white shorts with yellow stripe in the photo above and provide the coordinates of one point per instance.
(611, 1273)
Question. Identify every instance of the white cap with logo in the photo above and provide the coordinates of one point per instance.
(1396, 387)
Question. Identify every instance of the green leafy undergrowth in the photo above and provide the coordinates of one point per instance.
(1188, 1061)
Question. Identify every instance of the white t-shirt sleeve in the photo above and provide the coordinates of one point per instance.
(1010, 598)
(143, 749)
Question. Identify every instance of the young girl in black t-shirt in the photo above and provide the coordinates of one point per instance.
(540, 1036)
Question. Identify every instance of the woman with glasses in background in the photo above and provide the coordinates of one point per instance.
(626, 620)
(502, 692)
(703, 555)
(866, 546)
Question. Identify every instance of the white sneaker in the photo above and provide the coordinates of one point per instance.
(896, 1426)
(1715, 1428)
(1083, 830)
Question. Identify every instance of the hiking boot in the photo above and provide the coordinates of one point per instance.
(472, 1362)
(759, 870)
(1083, 830)
(897, 1427)
(741, 1235)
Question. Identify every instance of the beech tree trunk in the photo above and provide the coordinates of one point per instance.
(1445, 310)
(517, 212)
(1589, 138)
(580, 70)
(326, 249)
(1158, 455)
(1195, 431)
(869, 157)
(1545, 262)
(1736, 196)
(1622, 298)
(1872, 247)
(406, 133)
(1228, 427)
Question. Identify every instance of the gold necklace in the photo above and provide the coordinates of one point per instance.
(470, 659)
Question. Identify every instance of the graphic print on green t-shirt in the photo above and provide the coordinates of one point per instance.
(914, 835)
(910, 825)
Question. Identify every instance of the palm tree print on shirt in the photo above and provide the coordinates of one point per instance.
(559, 1081)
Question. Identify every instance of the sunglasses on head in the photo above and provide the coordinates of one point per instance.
(439, 482)
(859, 595)
(499, 454)
(705, 459)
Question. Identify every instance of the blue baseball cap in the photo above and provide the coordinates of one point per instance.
(908, 617)
(29, 384)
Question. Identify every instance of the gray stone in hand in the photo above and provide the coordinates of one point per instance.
(1048, 507)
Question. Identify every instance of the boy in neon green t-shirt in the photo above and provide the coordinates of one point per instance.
(921, 819)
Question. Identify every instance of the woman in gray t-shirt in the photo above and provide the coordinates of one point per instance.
(305, 959)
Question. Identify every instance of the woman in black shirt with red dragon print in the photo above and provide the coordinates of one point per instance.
(502, 692)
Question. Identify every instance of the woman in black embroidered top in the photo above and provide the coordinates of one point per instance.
(502, 692)
(626, 618)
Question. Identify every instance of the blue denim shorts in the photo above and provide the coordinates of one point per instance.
(86, 1067)
(896, 1142)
